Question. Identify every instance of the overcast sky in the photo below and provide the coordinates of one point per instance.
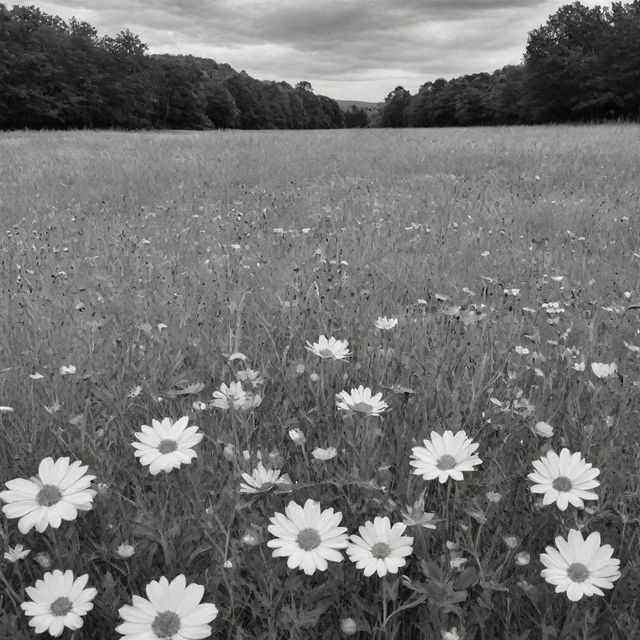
(347, 49)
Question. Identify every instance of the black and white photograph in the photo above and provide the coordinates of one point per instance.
(320, 319)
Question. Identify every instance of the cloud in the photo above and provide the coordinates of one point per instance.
(357, 49)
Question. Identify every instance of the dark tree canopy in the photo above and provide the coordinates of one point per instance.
(583, 64)
(62, 75)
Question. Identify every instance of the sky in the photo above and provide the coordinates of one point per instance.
(347, 49)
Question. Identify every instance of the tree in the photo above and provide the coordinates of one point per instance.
(395, 104)
(303, 85)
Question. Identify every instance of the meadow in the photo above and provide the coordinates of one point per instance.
(141, 271)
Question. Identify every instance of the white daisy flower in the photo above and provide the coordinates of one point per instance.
(361, 401)
(297, 436)
(16, 553)
(324, 454)
(445, 456)
(262, 480)
(386, 324)
(251, 376)
(332, 348)
(57, 493)
(125, 551)
(58, 601)
(166, 446)
(380, 548)
(232, 397)
(602, 370)
(580, 567)
(67, 370)
(307, 536)
(416, 516)
(565, 478)
(172, 612)
(543, 429)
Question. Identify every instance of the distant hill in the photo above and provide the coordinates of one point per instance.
(346, 105)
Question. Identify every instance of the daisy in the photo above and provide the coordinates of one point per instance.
(602, 370)
(564, 479)
(17, 553)
(262, 480)
(380, 548)
(416, 516)
(253, 377)
(445, 456)
(361, 401)
(58, 601)
(386, 324)
(331, 348)
(172, 612)
(580, 567)
(166, 446)
(231, 397)
(308, 536)
(324, 454)
(57, 493)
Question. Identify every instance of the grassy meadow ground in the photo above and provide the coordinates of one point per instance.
(256, 242)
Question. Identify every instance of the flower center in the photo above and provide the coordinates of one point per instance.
(167, 446)
(325, 353)
(166, 624)
(577, 572)
(48, 495)
(562, 483)
(308, 539)
(364, 407)
(446, 462)
(380, 550)
(61, 606)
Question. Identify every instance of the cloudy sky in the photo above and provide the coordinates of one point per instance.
(347, 49)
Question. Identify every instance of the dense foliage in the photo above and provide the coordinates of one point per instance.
(582, 65)
(55, 74)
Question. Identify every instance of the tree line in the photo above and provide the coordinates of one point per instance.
(582, 65)
(62, 75)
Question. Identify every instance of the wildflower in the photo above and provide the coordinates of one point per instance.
(324, 454)
(43, 559)
(523, 351)
(564, 479)
(552, 307)
(67, 370)
(250, 376)
(166, 446)
(172, 610)
(452, 634)
(4, 409)
(135, 392)
(445, 456)
(262, 480)
(58, 601)
(361, 401)
(57, 493)
(416, 516)
(228, 453)
(198, 405)
(251, 537)
(36, 376)
(580, 567)
(17, 553)
(309, 537)
(386, 324)
(543, 429)
(227, 564)
(380, 548)
(493, 496)
(231, 397)
(523, 559)
(297, 436)
(125, 551)
(348, 626)
(332, 348)
(602, 370)
(314, 377)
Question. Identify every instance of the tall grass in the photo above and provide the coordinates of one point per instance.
(257, 242)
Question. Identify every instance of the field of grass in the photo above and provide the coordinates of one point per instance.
(146, 260)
